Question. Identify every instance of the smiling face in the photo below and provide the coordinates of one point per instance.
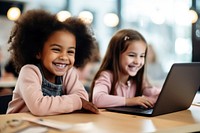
(132, 60)
(58, 54)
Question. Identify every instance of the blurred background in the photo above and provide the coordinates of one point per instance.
(171, 27)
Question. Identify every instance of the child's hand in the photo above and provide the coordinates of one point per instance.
(89, 106)
(140, 100)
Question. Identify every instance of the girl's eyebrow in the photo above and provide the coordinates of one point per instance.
(135, 53)
(54, 44)
(131, 52)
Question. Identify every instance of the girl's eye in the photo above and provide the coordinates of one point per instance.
(56, 50)
(71, 52)
(131, 55)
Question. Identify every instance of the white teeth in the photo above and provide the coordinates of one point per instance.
(60, 65)
(132, 68)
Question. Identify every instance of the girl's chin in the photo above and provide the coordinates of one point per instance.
(60, 73)
(132, 73)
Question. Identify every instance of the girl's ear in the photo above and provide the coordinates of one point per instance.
(38, 56)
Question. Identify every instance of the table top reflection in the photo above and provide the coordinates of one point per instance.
(110, 122)
(8, 82)
(107, 122)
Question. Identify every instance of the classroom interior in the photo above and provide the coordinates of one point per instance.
(172, 31)
(171, 27)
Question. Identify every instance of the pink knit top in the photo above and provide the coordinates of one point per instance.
(28, 96)
(102, 88)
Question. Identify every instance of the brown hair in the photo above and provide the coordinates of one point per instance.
(111, 61)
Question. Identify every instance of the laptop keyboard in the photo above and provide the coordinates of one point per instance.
(132, 110)
(138, 109)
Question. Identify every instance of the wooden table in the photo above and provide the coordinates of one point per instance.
(110, 122)
(7, 82)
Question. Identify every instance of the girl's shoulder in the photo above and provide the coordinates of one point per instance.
(30, 68)
(71, 73)
(31, 73)
(72, 70)
(106, 74)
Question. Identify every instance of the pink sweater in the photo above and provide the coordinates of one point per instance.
(28, 96)
(101, 97)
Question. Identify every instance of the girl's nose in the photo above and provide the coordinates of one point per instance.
(137, 60)
(64, 57)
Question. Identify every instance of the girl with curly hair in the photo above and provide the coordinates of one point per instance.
(45, 52)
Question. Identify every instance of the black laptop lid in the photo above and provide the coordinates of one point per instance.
(179, 88)
(178, 92)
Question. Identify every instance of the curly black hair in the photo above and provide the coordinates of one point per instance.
(34, 27)
(86, 45)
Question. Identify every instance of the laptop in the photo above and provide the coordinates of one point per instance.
(178, 92)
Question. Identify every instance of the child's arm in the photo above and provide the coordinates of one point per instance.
(151, 93)
(101, 96)
(28, 89)
(89, 106)
(139, 101)
(74, 87)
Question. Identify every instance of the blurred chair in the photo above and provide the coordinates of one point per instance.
(4, 100)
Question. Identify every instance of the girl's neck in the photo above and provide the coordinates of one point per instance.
(47, 75)
(124, 78)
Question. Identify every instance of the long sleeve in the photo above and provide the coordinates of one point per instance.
(152, 93)
(101, 93)
(101, 96)
(28, 95)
